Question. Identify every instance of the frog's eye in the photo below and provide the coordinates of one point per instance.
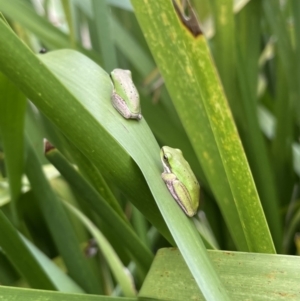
(165, 157)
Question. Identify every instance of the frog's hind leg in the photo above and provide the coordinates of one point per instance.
(120, 105)
(180, 190)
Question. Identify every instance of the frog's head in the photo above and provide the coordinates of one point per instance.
(168, 156)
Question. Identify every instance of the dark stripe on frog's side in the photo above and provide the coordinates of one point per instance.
(118, 102)
(176, 198)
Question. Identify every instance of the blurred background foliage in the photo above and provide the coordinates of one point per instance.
(89, 216)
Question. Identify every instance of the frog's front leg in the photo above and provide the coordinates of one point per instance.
(179, 193)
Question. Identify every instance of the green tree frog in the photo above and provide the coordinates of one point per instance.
(125, 97)
(180, 180)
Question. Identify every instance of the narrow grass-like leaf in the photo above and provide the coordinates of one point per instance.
(115, 264)
(98, 181)
(287, 107)
(295, 9)
(120, 228)
(290, 231)
(206, 232)
(8, 274)
(21, 294)
(275, 18)
(12, 112)
(140, 225)
(23, 13)
(62, 281)
(281, 146)
(131, 48)
(124, 4)
(248, 45)
(296, 156)
(194, 81)
(21, 257)
(224, 50)
(267, 124)
(238, 5)
(86, 6)
(103, 30)
(69, 18)
(86, 167)
(59, 225)
(63, 191)
(4, 193)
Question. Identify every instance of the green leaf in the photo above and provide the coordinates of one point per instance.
(95, 125)
(223, 44)
(67, 7)
(103, 31)
(62, 281)
(59, 225)
(121, 228)
(281, 146)
(132, 136)
(131, 48)
(8, 274)
(248, 46)
(246, 276)
(21, 294)
(292, 227)
(19, 254)
(140, 225)
(95, 132)
(287, 92)
(86, 167)
(124, 4)
(114, 262)
(21, 12)
(194, 81)
(13, 105)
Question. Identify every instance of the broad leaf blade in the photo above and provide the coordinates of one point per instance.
(246, 276)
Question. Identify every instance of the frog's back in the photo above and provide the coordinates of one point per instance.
(126, 89)
(184, 172)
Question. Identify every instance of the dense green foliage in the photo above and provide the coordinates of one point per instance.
(86, 212)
